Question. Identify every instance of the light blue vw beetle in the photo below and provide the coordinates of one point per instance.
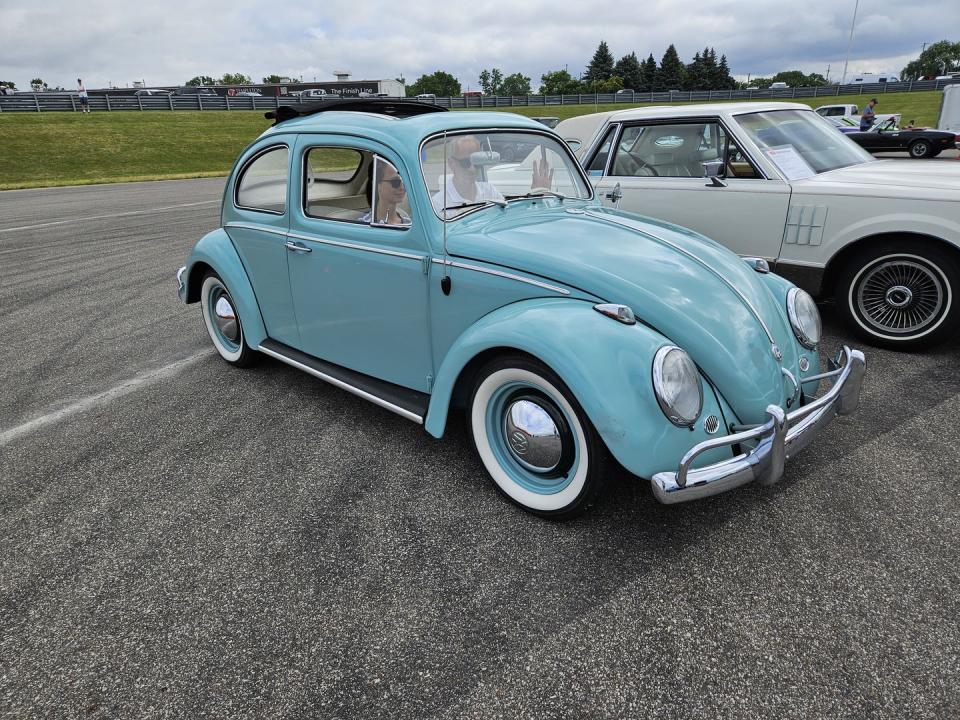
(386, 247)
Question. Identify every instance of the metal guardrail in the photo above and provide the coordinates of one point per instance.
(69, 102)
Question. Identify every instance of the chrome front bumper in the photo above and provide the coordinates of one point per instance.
(782, 436)
(181, 284)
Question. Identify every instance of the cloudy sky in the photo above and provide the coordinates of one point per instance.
(112, 42)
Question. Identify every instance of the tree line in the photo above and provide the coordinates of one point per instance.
(604, 75)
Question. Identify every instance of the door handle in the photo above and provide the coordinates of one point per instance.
(297, 247)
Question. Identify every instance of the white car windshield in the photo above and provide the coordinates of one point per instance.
(470, 169)
(798, 138)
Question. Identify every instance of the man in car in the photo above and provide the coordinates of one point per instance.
(463, 187)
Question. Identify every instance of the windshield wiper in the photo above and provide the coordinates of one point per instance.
(538, 193)
(501, 203)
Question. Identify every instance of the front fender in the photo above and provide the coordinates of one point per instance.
(215, 251)
(606, 365)
(779, 287)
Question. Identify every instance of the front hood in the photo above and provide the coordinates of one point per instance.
(906, 178)
(658, 270)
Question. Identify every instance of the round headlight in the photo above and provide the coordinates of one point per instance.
(804, 317)
(677, 386)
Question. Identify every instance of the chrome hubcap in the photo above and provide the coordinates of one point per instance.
(532, 436)
(902, 296)
(899, 296)
(226, 319)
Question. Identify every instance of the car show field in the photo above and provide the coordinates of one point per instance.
(48, 149)
(188, 539)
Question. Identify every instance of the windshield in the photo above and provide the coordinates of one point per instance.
(801, 143)
(470, 169)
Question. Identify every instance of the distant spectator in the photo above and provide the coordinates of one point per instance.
(84, 100)
(869, 116)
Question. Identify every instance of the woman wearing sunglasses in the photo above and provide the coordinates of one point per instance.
(390, 193)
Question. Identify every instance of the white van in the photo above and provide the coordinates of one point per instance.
(779, 86)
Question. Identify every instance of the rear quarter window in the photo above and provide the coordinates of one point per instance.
(263, 182)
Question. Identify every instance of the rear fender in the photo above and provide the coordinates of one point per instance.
(216, 252)
(606, 365)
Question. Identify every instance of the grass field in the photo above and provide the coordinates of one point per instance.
(47, 149)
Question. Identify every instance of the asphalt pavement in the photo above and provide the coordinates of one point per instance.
(184, 539)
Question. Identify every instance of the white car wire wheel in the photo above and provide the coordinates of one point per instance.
(223, 323)
(901, 296)
(537, 444)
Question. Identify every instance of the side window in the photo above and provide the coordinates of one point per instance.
(666, 150)
(263, 184)
(599, 162)
(390, 203)
(336, 184)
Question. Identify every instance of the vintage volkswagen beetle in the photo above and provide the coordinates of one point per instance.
(384, 247)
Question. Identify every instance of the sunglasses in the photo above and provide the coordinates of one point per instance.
(463, 162)
(395, 182)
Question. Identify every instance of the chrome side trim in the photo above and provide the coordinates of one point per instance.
(701, 263)
(353, 246)
(782, 436)
(499, 273)
(343, 386)
(254, 226)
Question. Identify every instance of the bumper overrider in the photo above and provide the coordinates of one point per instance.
(182, 284)
(783, 435)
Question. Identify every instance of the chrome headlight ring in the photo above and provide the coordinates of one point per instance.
(677, 385)
(804, 317)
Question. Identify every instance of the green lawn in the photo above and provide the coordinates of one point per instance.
(46, 149)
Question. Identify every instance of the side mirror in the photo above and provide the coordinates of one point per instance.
(714, 171)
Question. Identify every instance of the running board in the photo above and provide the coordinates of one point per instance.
(405, 402)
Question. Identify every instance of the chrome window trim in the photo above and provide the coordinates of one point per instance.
(343, 385)
(701, 263)
(596, 142)
(354, 246)
(500, 273)
(470, 131)
(243, 171)
(377, 157)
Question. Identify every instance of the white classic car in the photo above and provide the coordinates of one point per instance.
(776, 181)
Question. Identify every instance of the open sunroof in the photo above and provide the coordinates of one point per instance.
(381, 106)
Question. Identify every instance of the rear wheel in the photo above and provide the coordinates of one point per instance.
(899, 297)
(921, 149)
(222, 320)
(534, 439)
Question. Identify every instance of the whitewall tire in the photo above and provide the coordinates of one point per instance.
(534, 439)
(223, 323)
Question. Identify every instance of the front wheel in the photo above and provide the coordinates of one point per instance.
(921, 149)
(534, 439)
(223, 322)
(899, 297)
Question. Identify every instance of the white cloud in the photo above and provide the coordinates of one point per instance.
(106, 41)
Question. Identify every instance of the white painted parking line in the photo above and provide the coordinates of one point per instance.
(104, 217)
(124, 388)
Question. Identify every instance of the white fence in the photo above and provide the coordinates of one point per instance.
(67, 102)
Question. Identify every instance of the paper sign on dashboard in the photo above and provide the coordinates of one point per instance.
(788, 160)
